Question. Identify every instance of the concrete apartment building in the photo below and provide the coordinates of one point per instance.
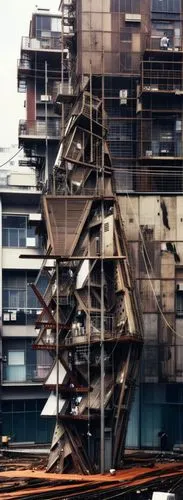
(22, 370)
(114, 47)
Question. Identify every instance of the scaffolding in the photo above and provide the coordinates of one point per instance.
(90, 302)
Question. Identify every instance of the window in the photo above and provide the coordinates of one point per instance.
(55, 24)
(16, 358)
(47, 26)
(20, 304)
(131, 6)
(16, 370)
(17, 233)
(43, 23)
(169, 6)
(179, 301)
(22, 421)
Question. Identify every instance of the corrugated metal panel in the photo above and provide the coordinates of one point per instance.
(179, 218)
(150, 328)
(167, 265)
(150, 213)
(130, 212)
(169, 234)
(147, 296)
(179, 350)
(168, 295)
(65, 218)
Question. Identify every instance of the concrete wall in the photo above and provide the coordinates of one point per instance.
(154, 228)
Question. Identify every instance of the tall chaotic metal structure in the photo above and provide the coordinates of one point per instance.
(90, 320)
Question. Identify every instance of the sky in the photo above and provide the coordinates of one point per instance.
(15, 17)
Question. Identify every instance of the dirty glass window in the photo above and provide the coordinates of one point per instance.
(169, 6)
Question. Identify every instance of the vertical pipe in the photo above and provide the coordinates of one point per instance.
(57, 340)
(102, 374)
(102, 387)
(46, 124)
(91, 122)
(62, 70)
(89, 338)
(1, 367)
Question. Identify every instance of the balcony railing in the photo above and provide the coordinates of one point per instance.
(153, 43)
(20, 316)
(79, 333)
(46, 43)
(24, 373)
(39, 129)
(166, 86)
(65, 89)
(156, 79)
(158, 149)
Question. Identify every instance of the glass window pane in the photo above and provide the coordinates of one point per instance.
(5, 237)
(32, 301)
(55, 24)
(22, 299)
(5, 298)
(14, 221)
(6, 406)
(46, 23)
(22, 238)
(38, 22)
(13, 299)
(31, 426)
(30, 231)
(13, 238)
(18, 405)
(16, 358)
(19, 426)
(30, 404)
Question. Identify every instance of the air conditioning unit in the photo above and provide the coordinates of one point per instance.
(180, 287)
(45, 34)
(46, 98)
(6, 316)
(133, 18)
(35, 217)
(159, 495)
(31, 242)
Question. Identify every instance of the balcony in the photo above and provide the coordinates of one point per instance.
(13, 316)
(157, 79)
(64, 92)
(153, 43)
(161, 150)
(43, 44)
(24, 373)
(80, 335)
(39, 130)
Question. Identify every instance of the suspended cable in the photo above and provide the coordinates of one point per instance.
(145, 259)
(146, 172)
(5, 163)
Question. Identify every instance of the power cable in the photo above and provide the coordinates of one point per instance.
(144, 172)
(148, 275)
(5, 163)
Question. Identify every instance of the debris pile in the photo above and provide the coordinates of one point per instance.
(27, 479)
